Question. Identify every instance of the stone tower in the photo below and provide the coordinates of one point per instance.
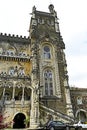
(49, 67)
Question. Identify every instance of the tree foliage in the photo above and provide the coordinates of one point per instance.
(2, 124)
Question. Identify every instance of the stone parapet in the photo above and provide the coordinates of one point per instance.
(15, 38)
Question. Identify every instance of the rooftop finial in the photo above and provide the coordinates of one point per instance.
(51, 8)
(34, 9)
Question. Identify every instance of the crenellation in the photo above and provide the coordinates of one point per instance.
(9, 35)
(13, 35)
(14, 38)
(20, 36)
(16, 35)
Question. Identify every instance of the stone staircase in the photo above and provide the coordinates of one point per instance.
(59, 114)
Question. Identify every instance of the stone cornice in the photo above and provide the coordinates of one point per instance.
(78, 89)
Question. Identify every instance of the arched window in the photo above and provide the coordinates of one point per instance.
(81, 115)
(10, 52)
(25, 95)
(21, 71)
(48, 82)
(79, 100)
(11, 71)
(7, 96)
(47, 52)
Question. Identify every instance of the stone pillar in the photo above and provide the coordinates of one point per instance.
(22, 93)
(56, 25)
(4, 92)
(13, 93)
(68, 98)
(22, 100)
(34, 115)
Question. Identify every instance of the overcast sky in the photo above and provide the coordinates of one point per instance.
(72, 14)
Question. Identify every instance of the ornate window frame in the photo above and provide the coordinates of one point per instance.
(79, 100)
(8, 95)
(48, 81)
(51, 64)
(10, 52)
(47, 51)
(11, 71)
(21, 71)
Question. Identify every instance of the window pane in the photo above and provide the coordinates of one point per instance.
(11, 71)
(51, 88)
(50, 75)
(7, 96)
(47, 54)
(51, 92)
(46, 49)
(79, 100)
(46, 88)
(48, 82)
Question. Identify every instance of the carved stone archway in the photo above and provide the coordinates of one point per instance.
(19, 121)
(81, 115)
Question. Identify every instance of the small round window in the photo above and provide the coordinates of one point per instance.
(47, 54)
(46, 49)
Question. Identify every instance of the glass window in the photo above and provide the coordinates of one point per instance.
(21, 71)
(7, 96)
(48, 79)
(10, 52)
(47, 52)
(79, 100)
(11, 71)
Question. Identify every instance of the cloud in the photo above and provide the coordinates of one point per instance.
(77, 45)
(77, 70)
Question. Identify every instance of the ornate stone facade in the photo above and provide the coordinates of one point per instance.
(79, 103)
(33, 73)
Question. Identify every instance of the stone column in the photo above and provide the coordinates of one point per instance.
(34, 115)
(68, 98)
(22, 93)
(4, 92)
(13, 94)
(22, 100)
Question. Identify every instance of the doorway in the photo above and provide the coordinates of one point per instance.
(19, 121)
(81, 116)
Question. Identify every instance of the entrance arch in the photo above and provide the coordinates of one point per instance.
(19, 121)
(81, 115)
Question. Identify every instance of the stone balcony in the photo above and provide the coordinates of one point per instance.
(14, 57)
(18, 103)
